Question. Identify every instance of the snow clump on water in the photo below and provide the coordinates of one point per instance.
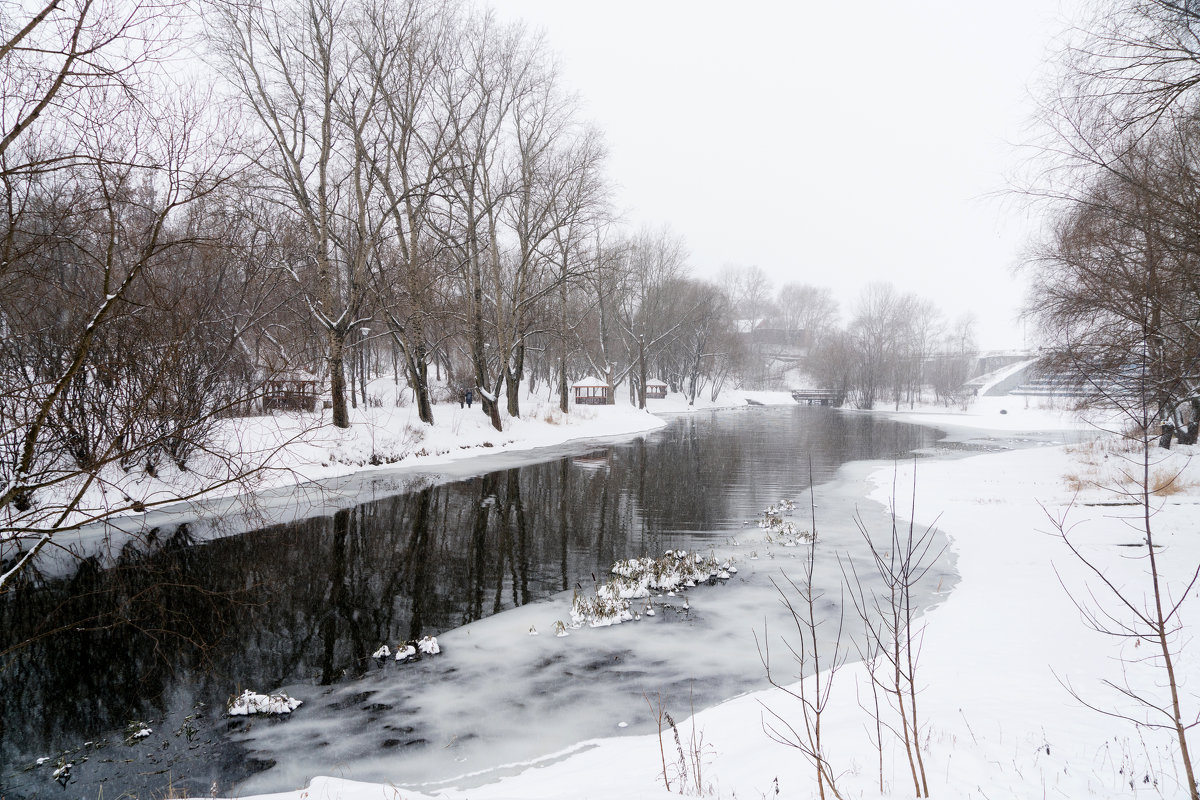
(249, 702)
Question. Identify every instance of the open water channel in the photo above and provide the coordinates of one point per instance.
(161, 628)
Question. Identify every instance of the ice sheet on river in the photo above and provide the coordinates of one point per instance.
(498, 696)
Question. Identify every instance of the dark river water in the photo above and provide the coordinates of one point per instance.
(162, 628)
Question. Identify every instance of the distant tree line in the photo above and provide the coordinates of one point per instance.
(895, 347)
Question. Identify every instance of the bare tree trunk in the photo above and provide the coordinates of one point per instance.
(363, 367)
(564, 392)
(419, 380)
(487, 398)
(1162, 630)
(514, 372)
(641, 388)
(563, 389)
(337, 377)
(353, 373)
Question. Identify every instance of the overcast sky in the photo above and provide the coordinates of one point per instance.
(826, 142)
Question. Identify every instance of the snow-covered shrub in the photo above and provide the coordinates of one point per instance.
(136, 731)
(62, 771)
(606, 608)
(637, 577)
(411, 651)
(249, 702)
(780, 530)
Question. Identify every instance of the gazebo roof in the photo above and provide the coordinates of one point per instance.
(291, 375)
(655, 382)
(589, 382)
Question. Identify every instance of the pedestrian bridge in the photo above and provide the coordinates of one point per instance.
(818, 397)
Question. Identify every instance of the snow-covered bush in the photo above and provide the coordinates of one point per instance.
(135, 731)
(637, 577)
(411, 651)
(249, 702)
(781, 530)
(674, 570)
(606, 608)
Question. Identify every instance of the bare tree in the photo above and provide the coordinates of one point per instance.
(1118, 280)
(748, 289)
(893, 633)
(813, 654)
(874, 334)
(57, 58)
(292, 65)
(598, 336)
(575, 260)
(921, 327)
(696, 352)
(558, 191)
(409, 145)
(809, 310)
(112, 356)
(1115, 293)
(648, 314)
(478, 89)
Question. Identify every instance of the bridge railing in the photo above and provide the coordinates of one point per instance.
(818, 397)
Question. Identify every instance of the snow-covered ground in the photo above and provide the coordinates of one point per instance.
(1008, 666)
(1008, 414)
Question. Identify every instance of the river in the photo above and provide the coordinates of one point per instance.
(161, 628)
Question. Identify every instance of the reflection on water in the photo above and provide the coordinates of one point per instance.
(166, 629)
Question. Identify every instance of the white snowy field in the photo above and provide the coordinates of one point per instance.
(1008, 666)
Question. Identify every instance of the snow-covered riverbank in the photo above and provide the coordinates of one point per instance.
(998, 655)
(275, 452)
(390, 436)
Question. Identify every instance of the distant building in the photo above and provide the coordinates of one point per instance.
(655, 389)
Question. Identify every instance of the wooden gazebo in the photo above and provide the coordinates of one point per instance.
(291, 391)
(591, 391)
(656, 389)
